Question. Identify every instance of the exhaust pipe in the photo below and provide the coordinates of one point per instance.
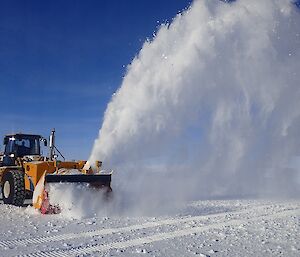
(52, 145)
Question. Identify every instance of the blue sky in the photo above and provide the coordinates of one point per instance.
(60, 62)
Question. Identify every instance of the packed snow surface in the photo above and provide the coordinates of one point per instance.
(201, 228)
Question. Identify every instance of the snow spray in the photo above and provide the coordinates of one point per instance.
(209, 108)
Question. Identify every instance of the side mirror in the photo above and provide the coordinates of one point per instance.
(5, 141)
(44, 140)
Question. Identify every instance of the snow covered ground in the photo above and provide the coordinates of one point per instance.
(204, 228)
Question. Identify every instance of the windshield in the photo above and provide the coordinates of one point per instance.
(24, 146)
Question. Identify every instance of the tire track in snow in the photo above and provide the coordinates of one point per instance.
(25, 242)
(75, 251)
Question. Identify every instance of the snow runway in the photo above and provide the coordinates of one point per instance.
(126, 236)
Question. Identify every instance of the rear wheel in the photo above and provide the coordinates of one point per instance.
(13, 188)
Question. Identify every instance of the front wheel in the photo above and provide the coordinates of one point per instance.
(13, 188)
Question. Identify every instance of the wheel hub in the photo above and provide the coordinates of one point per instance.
(6, 189)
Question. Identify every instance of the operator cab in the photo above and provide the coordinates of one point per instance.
(20, 145)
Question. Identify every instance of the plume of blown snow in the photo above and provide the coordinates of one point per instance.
(209, 108)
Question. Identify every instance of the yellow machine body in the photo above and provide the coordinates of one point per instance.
(35, 170)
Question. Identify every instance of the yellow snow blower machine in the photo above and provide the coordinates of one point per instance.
(25, 173)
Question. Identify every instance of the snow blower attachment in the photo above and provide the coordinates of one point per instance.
(25, 173)
(75, 174)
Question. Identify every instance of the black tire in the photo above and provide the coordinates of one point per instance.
(13, 188)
